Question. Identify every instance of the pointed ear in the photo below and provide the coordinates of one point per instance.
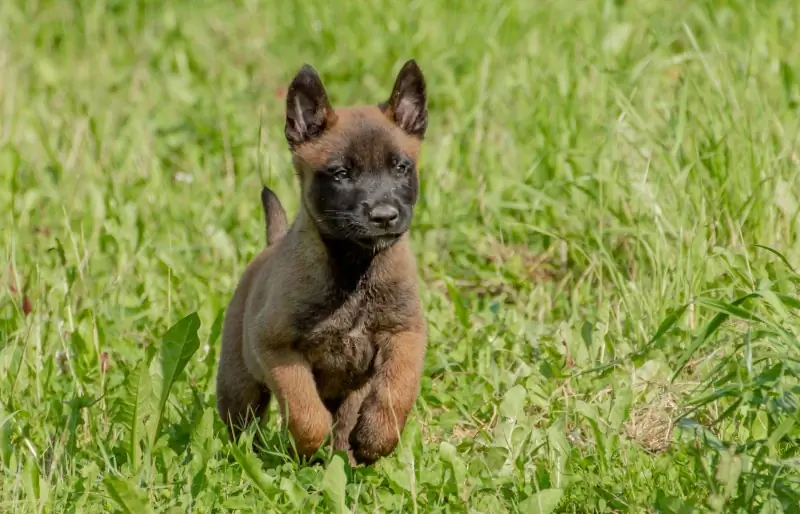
(308, 111)
(407, 106)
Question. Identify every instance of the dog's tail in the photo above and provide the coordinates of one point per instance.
(274, 216)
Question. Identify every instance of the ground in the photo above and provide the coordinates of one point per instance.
(608, 237)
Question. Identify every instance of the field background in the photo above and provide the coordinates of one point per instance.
(608, 227)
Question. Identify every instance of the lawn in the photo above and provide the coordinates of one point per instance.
(608, 239)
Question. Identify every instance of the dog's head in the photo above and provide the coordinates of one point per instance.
(358, 165)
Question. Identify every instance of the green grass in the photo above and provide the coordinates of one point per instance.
(608, 226)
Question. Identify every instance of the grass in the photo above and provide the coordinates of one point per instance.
(608, 240)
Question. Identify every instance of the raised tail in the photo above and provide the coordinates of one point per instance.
(274, 215)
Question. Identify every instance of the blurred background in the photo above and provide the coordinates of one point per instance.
(596, 181)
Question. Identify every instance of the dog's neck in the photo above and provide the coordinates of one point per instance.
(349, 263)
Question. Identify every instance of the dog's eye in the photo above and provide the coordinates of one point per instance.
(402, 167)
(340, 173)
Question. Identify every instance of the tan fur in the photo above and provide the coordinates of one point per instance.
(350, 121)
(351, 362)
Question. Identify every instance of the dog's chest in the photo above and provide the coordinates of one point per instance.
(342, 359)
(340, 340)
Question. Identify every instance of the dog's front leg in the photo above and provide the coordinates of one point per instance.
(394, 390)
(345, 420)
(291, 380)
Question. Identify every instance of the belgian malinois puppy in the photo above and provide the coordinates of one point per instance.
(328, 318)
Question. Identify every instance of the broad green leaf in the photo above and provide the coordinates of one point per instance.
(787, 76)
(129, 497)
(543, 502)
(5, 438)
(216, 328)
(511, 412)
(590, 413)
(177, 347)
(202, 439)
(87, 475)
(252, 468)
(728, 471)
(791, 301)
(203, 436)
(788, 463)
(334, 482)
(449, 455)
(296, 494)
(776, 303)
(781, 430)
(513, 403)
(462, 314)
(397, 476)
(76, 405)
(10, 159)
(213, 348)
(621, 408)
(617, 38)
(144, 403)
(559, 448)
(35, 487)
(667, 504)
(238, 503)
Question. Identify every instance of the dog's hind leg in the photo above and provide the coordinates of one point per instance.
(241, 398)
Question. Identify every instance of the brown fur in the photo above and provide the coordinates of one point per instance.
(337, 351)
(276, 216)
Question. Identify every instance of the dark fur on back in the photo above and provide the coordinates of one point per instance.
(328, 317)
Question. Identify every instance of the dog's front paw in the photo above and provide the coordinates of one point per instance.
(375, 435)
(309, 432)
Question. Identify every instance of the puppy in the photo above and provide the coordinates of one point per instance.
(328, 318)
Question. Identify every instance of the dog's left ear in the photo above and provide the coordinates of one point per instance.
(407, 105)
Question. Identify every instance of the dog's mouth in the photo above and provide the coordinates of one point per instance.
(378, 242)
(360, 235)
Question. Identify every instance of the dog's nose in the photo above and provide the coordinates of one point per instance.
(384, 215)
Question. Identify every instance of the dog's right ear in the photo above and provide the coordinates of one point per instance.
(308, 111)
